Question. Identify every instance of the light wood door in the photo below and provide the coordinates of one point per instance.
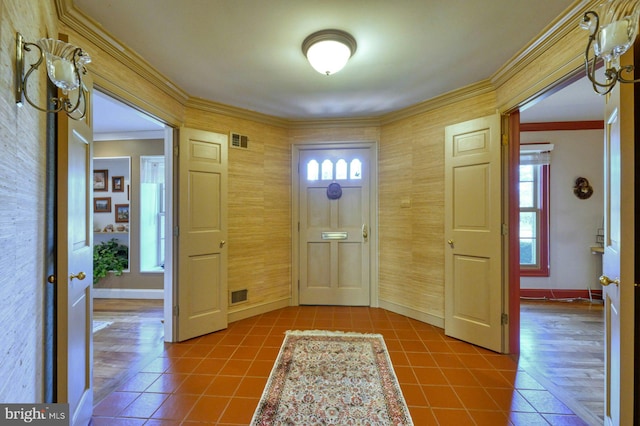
(473, 233)
(74, 275)
(202, 253)
(334, 195)
(618, 272)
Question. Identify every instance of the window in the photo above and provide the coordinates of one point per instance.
(152, 214)
(534, 220)
(343, 170)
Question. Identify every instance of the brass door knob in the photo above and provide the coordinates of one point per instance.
(222, 243)
(450, 242)
(80, 275)
(605, 281)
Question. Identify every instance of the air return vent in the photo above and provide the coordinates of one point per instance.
(239, 141)
(239, 296)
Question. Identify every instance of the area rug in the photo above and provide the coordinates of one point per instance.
(332, 378)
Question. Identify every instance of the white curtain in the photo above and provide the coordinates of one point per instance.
(536, 154)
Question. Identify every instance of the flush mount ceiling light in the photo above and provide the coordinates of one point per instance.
(329, 50)
(612, 27)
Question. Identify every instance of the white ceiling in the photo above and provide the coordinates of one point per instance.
(247, 53)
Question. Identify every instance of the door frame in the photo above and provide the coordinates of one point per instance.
(372, 146)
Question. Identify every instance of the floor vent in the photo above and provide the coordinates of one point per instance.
(239, 141)
(239, 296)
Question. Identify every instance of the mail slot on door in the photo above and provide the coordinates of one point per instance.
(335, 235)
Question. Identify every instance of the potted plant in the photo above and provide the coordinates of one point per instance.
(109, 256)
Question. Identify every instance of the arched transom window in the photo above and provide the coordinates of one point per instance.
(329, 170)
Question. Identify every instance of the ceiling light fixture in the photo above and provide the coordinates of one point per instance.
(329, 50)
(612, 30)
(65, 65)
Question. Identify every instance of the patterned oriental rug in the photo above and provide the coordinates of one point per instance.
(332, 378)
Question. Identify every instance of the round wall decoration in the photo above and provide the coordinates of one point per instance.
(583, 189)
(334, 191)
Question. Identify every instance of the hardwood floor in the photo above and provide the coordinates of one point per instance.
(133, 338)
(562, 346)
(562, 349)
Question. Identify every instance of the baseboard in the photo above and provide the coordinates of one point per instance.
(127, 293)
(412, 313)
(252, 311)
(546, 293)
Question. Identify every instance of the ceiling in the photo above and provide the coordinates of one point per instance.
(247, 53)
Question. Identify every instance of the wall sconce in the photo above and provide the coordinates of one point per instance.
(65, 65)
(329, 50)
(583, 188)
(612, 30)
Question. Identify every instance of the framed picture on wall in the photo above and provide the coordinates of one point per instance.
(122, 213)
(117, 184)
(102, 205)
(101, 180)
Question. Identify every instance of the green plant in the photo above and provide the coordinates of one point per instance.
(109, 256)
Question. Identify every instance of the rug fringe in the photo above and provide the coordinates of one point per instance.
(330, 333)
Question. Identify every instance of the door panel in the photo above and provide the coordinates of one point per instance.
(334, 249)
(617, 264)
(473, 232)
(202, 255)
(74, 275)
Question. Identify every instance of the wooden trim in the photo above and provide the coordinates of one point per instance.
(562, 125)
(514, 237)
(412, 313)
(547, 293)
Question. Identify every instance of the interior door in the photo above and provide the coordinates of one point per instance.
(473, 233)
(202, 232)
(334, 195)
(617, 264)
(74, 275)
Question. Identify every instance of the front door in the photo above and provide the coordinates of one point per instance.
(74, 275)
(617, 264)
(473, 233)
(334, 224)
(202, 232)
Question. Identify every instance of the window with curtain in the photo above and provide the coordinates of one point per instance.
(534, 210)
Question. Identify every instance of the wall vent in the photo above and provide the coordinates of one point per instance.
(239, 141)
(239, 296)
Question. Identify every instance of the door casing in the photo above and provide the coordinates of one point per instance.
(295, 213)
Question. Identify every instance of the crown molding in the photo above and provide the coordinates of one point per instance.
(466, 92)
(550, 35)
(130, 136)
(235, 112)
(73, 18)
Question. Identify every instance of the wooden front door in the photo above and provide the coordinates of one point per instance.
(473, 233)
(334, 226)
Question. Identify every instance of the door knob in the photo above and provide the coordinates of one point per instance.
(605, 280)
(222, 243)
(365, 232)
(80, 275)
(450, 242)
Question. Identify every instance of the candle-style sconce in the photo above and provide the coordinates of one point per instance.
(582, 188)
(65, 64)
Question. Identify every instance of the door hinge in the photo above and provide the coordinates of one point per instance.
(505, 140)
(298, 226)
(176, 311)
(176, 231)
(176, 151)
(505, 229)
(504, 319)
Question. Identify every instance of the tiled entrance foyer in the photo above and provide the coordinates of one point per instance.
(218, 378)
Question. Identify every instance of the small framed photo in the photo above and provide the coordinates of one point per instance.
(117, 184)
(102, 205)
(101, 180)
(122, 213)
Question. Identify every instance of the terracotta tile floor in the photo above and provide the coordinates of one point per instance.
(219, 378)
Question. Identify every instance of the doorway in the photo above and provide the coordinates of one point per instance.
(561, 310)
(130, 149)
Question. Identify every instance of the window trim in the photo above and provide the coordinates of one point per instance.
(542, 269)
